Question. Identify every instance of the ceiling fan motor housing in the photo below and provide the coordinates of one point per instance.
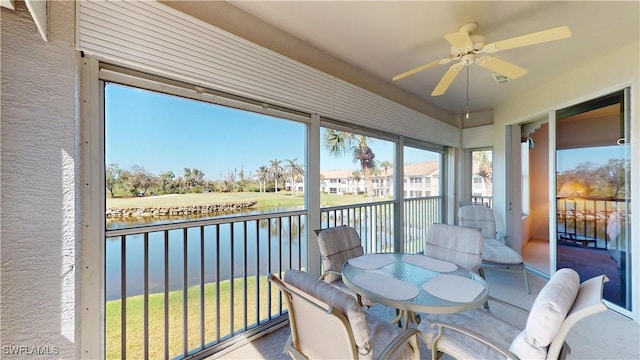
(468, 58)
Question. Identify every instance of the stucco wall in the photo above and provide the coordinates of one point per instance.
(38, 174)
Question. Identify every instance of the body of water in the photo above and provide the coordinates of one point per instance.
(256, 247)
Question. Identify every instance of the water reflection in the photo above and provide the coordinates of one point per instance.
(212, 253)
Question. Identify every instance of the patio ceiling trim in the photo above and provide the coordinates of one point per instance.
(39, 13)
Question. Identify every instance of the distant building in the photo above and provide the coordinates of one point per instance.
(420, 180)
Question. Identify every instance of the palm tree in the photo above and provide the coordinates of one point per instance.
(339, 143)
(386, 165)
(262, 176)
(275, 170)
(375, 172)
(294, 172)
(484, 168)
(357, 176)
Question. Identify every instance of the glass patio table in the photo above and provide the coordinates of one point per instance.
(414, 283)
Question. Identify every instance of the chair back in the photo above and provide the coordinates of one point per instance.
(459, 245)
(325, 323)
(479, 217)
(561, 303)
(588, 302)
(337, 245)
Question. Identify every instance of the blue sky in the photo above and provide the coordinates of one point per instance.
(568, 158)
(162, 133)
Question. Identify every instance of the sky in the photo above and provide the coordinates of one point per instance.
(161, 132)
(567, 159)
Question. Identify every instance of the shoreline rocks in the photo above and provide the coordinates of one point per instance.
(154, 211)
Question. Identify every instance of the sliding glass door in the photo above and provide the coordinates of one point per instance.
(593, 192)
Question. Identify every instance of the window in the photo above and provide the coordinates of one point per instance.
(170, 160)
(482, 176)
(359, 160)
(161, 148)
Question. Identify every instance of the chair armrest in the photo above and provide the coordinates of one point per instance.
(400, 341)
(326, 272)
(472, 334)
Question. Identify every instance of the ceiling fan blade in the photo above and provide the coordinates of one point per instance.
(447, 79)
(557, 33)
(421, 68)
(501, 67)
(459, 40)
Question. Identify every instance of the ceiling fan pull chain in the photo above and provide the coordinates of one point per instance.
(467, 116)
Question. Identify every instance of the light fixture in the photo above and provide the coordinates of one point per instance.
(571, 189)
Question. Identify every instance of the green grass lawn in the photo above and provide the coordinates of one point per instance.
(135, 319)
(265, 200)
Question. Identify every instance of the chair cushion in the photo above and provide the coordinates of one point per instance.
(382, 333)
(497, 252)
(462, 347)
(547, 314)
(344, 302)
(459, 245)
(342, 286)
(478, 216)
(337, 245)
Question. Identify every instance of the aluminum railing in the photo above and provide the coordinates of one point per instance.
(483, 200)
(373, 221)
(188, 289)
(178, 289)
(592, 222)
(419, 215)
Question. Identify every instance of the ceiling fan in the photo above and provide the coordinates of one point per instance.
(467, 49)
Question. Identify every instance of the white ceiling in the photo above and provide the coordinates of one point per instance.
(385, 38)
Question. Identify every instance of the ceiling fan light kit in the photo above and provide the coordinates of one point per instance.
(465, 49)
(501, 79)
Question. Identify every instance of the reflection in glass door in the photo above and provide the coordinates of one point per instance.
(592, 182)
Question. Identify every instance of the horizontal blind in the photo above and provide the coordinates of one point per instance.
(477, 137)
(436, 132)
(155, 37)
(365, 108)
(150, 36)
